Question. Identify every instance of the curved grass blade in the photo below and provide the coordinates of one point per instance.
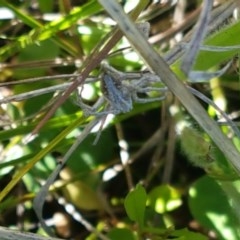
(40, 198)
(203, 76)
(211, 48)
(195, 43)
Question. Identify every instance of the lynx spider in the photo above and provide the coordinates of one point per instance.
(119, 93)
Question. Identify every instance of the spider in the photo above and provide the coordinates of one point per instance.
(119, 93)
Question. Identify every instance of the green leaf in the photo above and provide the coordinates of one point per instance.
(42, 32)
(210, 207)
(224, 37)
(164, 198)
(135, 204)
(25, 18)
(24, 169)
(121, 233)
(185, 234)
(206, 59)
(54, 123)
(46, 5)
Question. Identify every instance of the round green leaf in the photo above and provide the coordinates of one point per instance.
(209, 206)
(135, 204)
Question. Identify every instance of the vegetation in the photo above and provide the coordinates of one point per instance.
(155, 171)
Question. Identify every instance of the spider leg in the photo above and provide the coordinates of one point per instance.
(110, 108)
(150, 89)
(109, 70)
(138, 99)
(100, 130)
(103, 120)
(145, 80)
(108, 111)
(89, 110)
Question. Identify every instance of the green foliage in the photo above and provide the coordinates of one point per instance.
(164, 198)
(36, 47)
(135, 204)
(210, 206)
(207, 59)
(201, 153)
(195, 147)
(223, 37)
(122, 233)
(40, 32)
(188, 235)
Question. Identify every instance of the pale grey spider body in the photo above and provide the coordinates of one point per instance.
(119, 93)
